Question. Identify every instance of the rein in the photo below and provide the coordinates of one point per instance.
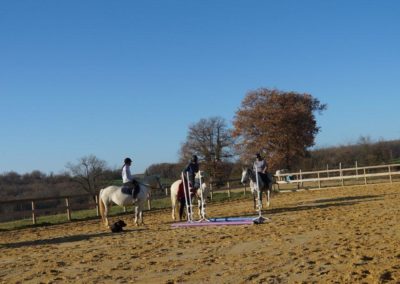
(252, 175)
(148, 186)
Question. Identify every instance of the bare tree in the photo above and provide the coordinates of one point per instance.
(211, 140)
(279, 124)
(89, 173)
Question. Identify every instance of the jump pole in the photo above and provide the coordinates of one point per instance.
(190, 198)
(260, 219)
(186, 198)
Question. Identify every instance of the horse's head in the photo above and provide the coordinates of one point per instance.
(203, 190)
(153, 181)
(245, 176)
(200, 174)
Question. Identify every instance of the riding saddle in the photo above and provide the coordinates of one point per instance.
(131, 189)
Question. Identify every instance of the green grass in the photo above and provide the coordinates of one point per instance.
(90, 214)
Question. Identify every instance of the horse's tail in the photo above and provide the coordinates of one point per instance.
(173, 193)
(101, 204)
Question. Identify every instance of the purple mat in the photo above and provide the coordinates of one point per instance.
(199, 224)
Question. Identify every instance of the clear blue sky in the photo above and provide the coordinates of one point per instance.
(127, 78)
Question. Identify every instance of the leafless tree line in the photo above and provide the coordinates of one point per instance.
(280, 125)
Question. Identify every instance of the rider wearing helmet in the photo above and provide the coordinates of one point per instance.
(261, 166)
(192, 168)
(127, 179)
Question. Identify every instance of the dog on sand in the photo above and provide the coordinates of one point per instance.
(117, 226)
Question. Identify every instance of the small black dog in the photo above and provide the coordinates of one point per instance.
(117, 226)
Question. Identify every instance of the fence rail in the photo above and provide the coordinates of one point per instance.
(34, 210)
(390, 173)
(341, 175)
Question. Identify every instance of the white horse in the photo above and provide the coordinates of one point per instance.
(153, 183)
(113, 194)
(248, 174)
(202, 190)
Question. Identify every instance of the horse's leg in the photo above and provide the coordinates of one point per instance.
(268, 193)
(136, 208)
(173, 202)
(182, 205)
(199, 207)
(204, 208)
(106, 208)
(141, 206)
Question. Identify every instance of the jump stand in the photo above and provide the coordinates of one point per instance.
(188, 199)
(218, 221)
(260, 219)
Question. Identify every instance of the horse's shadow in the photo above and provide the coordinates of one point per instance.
(322, 204)
(66, 239)
(329, 203)
(349, 198)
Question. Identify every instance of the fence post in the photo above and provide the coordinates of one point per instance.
(341, 173)
(68, 209)
(149, 202)
(125, 209)
(33, 213)
(390, 174)
(211, 190)
(244, 190)
(319, 181)
(166, 191)
(365, 177)
(96, 198)
(357, 170)
(327, 170)
(229, 190)
(300, 183)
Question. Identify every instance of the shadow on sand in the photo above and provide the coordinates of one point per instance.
(322, 204)
(66, 239)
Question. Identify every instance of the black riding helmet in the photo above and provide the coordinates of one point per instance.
(194, 159)
(127, 161)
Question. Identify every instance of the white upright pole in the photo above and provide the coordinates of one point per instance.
(260, 219)
(186, 198)
(190, 199)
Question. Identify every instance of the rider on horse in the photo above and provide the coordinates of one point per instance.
(261, 166)
(191, 169)
(127, 179)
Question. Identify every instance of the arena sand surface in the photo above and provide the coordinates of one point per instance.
(342, 235)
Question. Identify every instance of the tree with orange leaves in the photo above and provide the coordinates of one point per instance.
(280, 125)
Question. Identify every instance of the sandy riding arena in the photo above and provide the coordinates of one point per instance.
(342, 235)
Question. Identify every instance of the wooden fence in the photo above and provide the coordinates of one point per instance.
(34, 211)
(67, 208)
(341, 176)
(296, 180)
